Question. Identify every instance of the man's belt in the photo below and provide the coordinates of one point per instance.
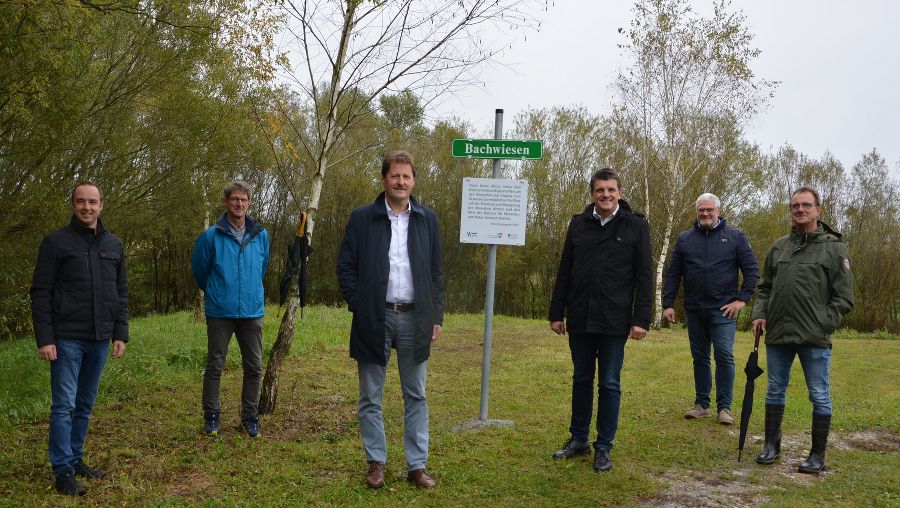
(400, 307)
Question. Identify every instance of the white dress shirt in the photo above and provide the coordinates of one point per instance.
(608, 218)
(400, 282)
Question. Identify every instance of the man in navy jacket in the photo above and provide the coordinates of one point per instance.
(229, 262)
(390, 273)
(708, 256)
(604, 291)
(79, 304)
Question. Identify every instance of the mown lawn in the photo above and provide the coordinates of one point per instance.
(147, 426)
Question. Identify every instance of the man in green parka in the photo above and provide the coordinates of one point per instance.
(806, 290)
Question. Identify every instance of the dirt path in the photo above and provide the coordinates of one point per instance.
(734, 489)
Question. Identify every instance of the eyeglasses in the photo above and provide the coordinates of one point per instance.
(706, 210)
(805, 206)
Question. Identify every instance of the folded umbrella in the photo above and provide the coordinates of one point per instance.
(753, 371)
(297, 265)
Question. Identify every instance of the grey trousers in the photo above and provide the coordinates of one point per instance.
(249, 338)
(399, 332)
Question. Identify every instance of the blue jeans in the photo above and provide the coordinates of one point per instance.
(707, 328)
(604, 353)
(74, 379)
(399, 331)
(815, 362)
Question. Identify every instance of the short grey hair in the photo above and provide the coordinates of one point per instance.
(239, 186)
(706, 196)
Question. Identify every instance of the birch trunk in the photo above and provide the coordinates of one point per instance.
(269, 396)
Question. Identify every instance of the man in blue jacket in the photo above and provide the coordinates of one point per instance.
(79, 304)
(390, 273)
(708, 257)
(229, 262)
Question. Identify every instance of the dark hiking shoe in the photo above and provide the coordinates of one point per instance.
(572, 448)
(251, 426)
(211, 423)
(85, 471)
(602, 462)
(67, 485)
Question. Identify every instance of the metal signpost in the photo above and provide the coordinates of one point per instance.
(493, 213)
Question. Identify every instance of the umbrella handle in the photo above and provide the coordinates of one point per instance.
(758, 333)
(301, 224)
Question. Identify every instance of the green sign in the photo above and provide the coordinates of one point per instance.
(498, 148)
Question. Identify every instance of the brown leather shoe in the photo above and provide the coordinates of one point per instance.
(375, 476)
(421, 479)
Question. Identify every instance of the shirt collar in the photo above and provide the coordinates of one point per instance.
(608, 218)
(718, 222)
(391, 211)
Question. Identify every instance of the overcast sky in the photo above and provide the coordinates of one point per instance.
(837, 62)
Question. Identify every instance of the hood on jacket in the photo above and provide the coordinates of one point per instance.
(824, 233)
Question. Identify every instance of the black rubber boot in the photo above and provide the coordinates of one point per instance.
(815, 463)
(772, 447)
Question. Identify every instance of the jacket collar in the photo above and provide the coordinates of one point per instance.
(720, 225)
(81, 229)
(623, 209)
(251, 227)
(824, 233)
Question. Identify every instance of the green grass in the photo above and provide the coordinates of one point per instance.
(147, 426)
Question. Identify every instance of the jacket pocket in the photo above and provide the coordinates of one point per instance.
(109, 265)
(625, 241)
(830, 320)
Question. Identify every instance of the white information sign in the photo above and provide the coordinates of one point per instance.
(493, 211)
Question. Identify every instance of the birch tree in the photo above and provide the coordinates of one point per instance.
(872, 234)
(686, 89)
(348, 53)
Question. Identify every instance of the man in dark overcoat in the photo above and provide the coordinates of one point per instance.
(389, 270)
(604, 292)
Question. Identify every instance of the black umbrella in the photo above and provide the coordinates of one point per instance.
(297, 264)
(753, 371)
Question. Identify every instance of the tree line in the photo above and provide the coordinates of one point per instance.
(163, 103)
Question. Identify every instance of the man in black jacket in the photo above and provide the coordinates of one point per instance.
(708, 256)
(390, 273)
(79, 303)
(603, 290)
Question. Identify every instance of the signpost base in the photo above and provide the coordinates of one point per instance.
(478, 424)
